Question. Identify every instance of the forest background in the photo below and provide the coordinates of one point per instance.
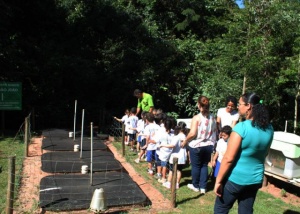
(98, 51)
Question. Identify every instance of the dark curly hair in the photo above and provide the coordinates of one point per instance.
(259, 112)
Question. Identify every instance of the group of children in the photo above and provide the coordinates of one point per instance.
(158, 137)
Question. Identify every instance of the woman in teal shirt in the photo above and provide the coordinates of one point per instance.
(242, 168)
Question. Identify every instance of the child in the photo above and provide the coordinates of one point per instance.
(132, 124)
(150, 130)
(124, 120)
(221, 148)
(180, 132)
(141, 140)
(164, 148)
(159, 119)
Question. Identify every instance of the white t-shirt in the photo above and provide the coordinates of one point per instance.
(132, 123)
(162, 137)
(150, 130)
(177, 151)
(221, 148)
(227, 117)
(125, 121)
(140, 128)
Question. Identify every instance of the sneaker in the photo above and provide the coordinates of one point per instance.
(162, 180)
(191, 186)
(150, 171)
(167, 184)
(137, 160)
(202, 191)
(177, 186)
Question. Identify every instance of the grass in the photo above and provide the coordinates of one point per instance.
(188, 201)
(9, 147)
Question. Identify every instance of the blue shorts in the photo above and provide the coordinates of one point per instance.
(143, 143)
(164, 163)
(217, 168)
(157, 160)
(131, 137)
(150, 155)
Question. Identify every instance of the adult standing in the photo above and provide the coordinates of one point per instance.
(228, 116)
(145, 101)
(242, 168)
(201, 140)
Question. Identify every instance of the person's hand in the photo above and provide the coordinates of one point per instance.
(218, 189)
(213, 163)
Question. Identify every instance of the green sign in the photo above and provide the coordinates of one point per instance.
(10, 96)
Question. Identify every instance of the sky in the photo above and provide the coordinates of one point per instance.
(240, 3)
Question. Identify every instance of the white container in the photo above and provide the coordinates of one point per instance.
(71, 134)
(188, 121)
(76, 148)
(98, 202)
(84, 169)
(291, 168)
(288, 143)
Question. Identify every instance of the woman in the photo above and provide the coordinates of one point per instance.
(201, 140)
(228, 116)
(242, 168)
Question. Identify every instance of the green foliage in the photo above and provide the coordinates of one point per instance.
(175, 50)
(10, 147)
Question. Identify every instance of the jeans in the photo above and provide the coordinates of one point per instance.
(245, 194)
(200, 157)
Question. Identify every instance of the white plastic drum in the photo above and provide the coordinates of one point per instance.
(76, 148)
(84, 169)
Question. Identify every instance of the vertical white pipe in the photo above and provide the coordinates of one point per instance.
(91, 182)
(82, 129)
(285, 126)
(75, 119)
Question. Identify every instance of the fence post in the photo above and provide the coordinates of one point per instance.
(174, 182)
(26, 136)
(10, 185)
(123, 139)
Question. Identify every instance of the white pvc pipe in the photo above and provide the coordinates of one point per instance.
(91, 182)
(75, 119)
(82, 127)
(285, 126)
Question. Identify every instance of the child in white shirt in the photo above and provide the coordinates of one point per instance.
(132, 125)
(180, 132)
(164, 148)
(221, 148)
(149, 132)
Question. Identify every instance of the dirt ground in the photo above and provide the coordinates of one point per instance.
(32, 174)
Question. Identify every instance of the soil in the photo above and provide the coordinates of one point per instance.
(32, 174)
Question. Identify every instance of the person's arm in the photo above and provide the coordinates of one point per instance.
(151, 109)
(118, 119)
(193, 131)
(233, 147)
(150, 103)
(137, 111)
(214, 159)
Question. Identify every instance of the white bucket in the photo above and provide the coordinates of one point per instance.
(70, 134)
(84, 169)
(98, 202)
(76, 147)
